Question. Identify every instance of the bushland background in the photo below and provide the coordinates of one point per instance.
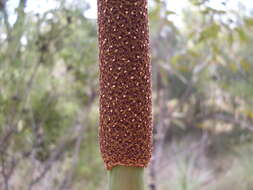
(202, 59)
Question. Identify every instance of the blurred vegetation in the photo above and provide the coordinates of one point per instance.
(202, 64)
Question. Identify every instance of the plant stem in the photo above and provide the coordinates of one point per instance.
(126, 178)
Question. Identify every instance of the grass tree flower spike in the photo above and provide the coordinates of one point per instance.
(125, 132)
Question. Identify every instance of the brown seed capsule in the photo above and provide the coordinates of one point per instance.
(125, 132)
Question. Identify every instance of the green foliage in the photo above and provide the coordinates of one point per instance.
(210, 32)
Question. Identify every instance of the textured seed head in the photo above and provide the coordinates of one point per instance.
(125, 121)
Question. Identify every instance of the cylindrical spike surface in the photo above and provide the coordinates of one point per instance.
(125, 132)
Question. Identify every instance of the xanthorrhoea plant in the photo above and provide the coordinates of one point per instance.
(125, 91)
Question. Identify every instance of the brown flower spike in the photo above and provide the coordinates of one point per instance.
(125, 83)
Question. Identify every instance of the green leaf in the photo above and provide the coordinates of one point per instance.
(155, 12)
(179, 123)
(169, 12)
(242, 35)
(230, 39)
(198, 2)
(209, 32)
(248, 22)
(209, 10)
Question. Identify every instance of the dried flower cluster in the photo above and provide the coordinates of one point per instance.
(125, 83)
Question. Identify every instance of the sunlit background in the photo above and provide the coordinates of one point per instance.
(202, 68)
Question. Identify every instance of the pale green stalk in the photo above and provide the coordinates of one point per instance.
(126, 178)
